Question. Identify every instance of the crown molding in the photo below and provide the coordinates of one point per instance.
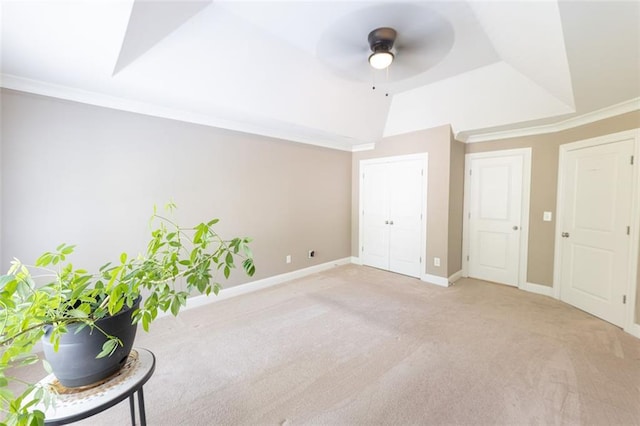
(363, 147)
(270, 128)
(601, 114)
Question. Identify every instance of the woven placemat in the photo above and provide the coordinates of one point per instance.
(101, 386)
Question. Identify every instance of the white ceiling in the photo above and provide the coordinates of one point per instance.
(298, 70)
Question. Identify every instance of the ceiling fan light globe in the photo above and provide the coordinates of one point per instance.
(381, 60)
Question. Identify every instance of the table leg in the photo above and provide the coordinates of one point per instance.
(132, 409)
(143, 416)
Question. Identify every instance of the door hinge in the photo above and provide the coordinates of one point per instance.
(363, 249)
(470, 172)
(628, 230)
(624, 299)
(631, 160)
(420, 259)
(469, 215)
(467, 258)
(421, 172)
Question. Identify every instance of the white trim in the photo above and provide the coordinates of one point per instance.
(363, 147)
(424, 156)
(570, 123)
(263, 127)
(434, 279)
(634, 330)
(356, 260)
(630, 325)
(227, 293)
(455, 277)
(545, 290)
(525, 153)
(630, 311)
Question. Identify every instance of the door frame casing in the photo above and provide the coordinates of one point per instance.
(525, 153)
(424, 157)
(629, 324)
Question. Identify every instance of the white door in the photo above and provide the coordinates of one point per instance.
(494, 218)
(393, 194)
(405, 216)
(596, 213)
(375, 215)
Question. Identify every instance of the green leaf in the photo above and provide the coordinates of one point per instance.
(68, 250)
(146, 319)
(108, 348)
(77, 313)
(47, 367)
(200, 230)
(44, 260)
(29, 360)
(6, 394)
(8, 283)
(248, 267)
(123, 257)
(175, 306)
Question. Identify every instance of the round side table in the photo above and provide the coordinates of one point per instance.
(73, 404)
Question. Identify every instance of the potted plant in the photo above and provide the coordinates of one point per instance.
(52, 299)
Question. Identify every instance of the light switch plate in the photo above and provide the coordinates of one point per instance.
(546, 216)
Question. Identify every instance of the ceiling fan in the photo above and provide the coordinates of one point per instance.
(406, 39)
(381, 42)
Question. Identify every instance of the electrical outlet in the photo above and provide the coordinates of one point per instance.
(436, 261)
(312, 253)
(288, 258)
(546, 216)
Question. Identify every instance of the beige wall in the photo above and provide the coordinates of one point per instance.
(88, 175)
(544, 181)
(437, 143)
(456, 206)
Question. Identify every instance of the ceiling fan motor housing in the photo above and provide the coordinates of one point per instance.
(382, 39)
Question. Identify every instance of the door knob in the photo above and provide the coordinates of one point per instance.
(565, 235)
(386, 222)
(515, 227)
(391, 222)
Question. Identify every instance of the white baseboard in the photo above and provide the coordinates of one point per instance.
(356, 260)
(538, 289)
(455, 277)
(226, 293)
(634, 330)
(434, 279)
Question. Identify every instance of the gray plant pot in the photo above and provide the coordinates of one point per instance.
(75, 363)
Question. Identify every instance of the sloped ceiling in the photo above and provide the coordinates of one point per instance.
(298, 70)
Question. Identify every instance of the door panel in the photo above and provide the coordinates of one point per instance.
(494, 220)
(406, 195)
(588, 280)
(495, 193)
(375, 208)
(596, 212)
(492, 248)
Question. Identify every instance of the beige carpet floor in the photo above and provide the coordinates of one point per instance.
(360, 346)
